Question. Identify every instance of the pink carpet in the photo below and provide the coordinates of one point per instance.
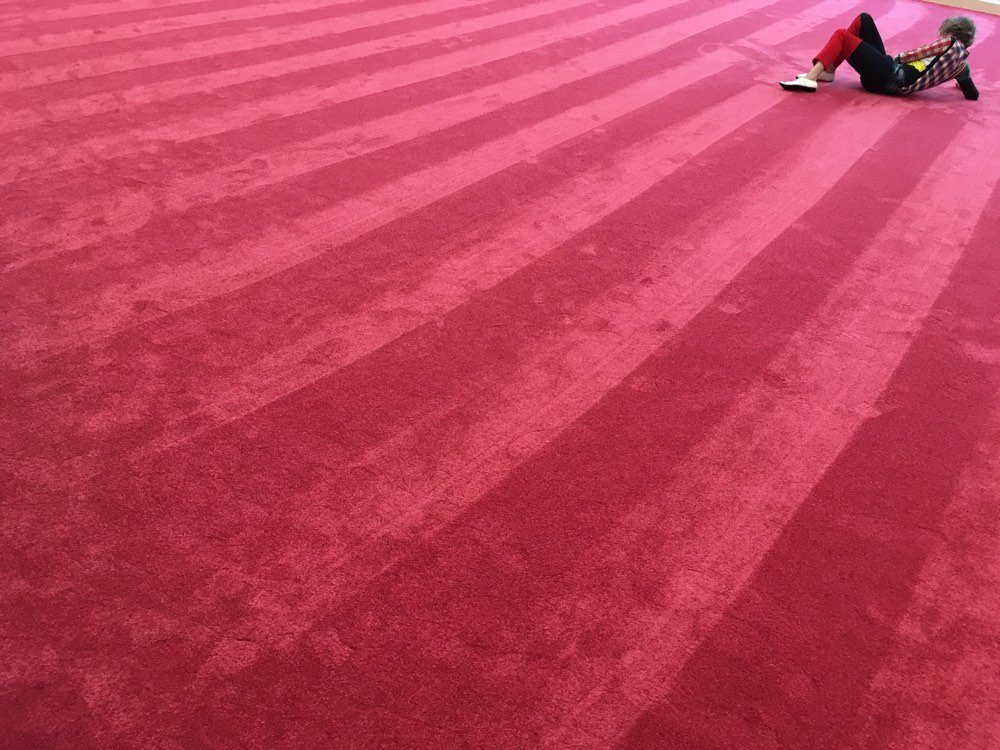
(505, 374)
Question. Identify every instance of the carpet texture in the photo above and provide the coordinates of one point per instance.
(504, 374)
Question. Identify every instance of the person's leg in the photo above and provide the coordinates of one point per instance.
(843, 42)
(865, 29)
(840, 46)
(817, 73)
(874, 66)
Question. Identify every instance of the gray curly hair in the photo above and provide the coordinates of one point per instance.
(960, 27)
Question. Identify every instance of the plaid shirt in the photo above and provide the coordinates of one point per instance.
(948, 62)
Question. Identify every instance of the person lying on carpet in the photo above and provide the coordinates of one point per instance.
(860, 45)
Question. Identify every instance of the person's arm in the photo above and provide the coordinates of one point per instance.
(966, 84)
(933, 49)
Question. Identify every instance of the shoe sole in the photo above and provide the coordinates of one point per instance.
(795, 87)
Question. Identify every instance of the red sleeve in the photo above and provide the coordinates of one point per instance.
(933, 49)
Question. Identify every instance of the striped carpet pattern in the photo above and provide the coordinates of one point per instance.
(493, 374)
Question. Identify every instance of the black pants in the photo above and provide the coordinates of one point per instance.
(876, 68)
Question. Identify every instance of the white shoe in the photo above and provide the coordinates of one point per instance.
(799, 84)
(824, 76)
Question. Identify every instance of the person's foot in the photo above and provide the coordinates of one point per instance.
(799, 84)
(824, 77)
